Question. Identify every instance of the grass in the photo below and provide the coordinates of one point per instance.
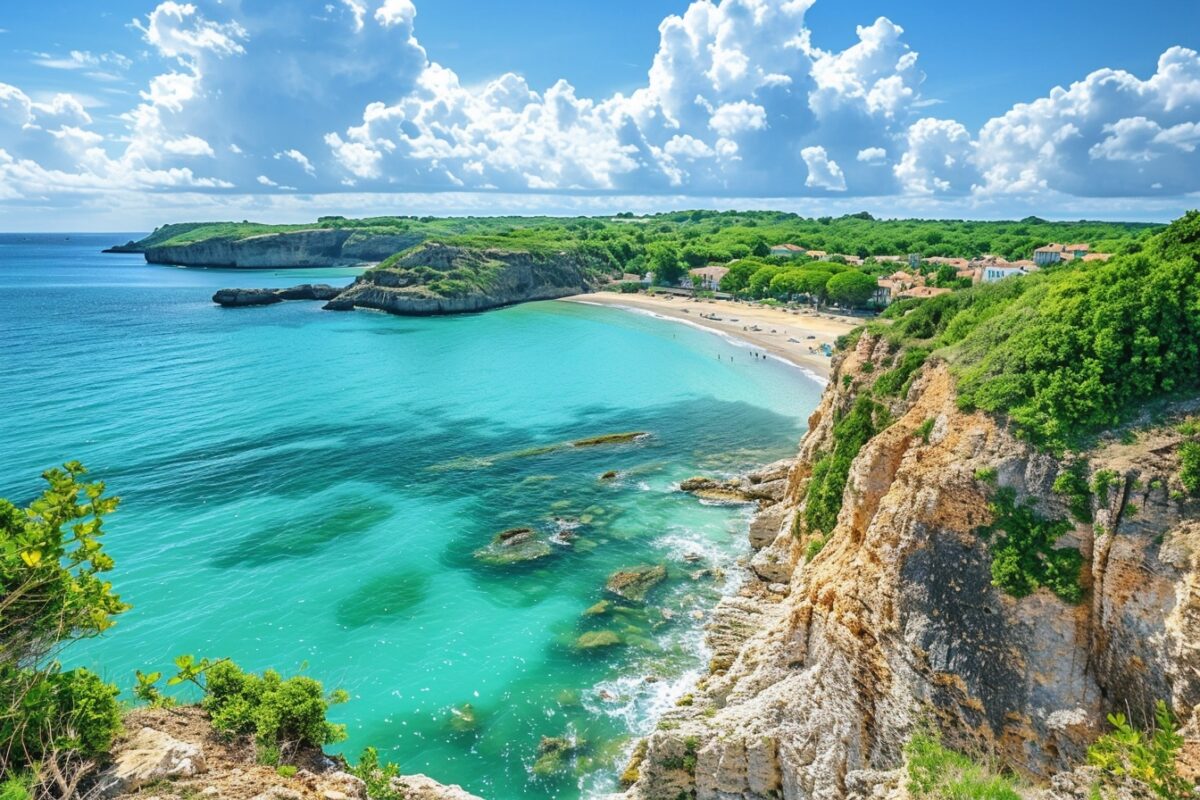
(934, 771)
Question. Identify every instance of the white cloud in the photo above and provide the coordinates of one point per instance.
(872, 155)
(1110, 134)
(299, 158)
(938, 159)
(823, 172)
(738, 102)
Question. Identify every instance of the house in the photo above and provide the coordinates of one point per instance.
(914, 260)
(973, 274)
(1054, 253)
(895, 285)
(710, 277)
(787, 250)
(922, 291)
(942, 261)
(998, 272)
(1097, 256)
(816, 254)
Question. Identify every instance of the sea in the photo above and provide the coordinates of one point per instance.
(305, 491)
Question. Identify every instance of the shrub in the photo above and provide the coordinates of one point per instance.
(1146, 757)
(377, 775)
(1102, 481)
(925, 429)
(1025, 557)
(896, 381)
(52, 561)
(1072, 483)
(815, 545)
(830, 473)
(987, 475)
(275, 710)
(1189, 466)
(937, 772)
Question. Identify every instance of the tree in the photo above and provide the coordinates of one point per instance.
(851, 288)
(760, 248)
(663, 260)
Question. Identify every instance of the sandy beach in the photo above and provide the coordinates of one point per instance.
(794, 336)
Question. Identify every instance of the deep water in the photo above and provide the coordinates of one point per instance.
(305, 490)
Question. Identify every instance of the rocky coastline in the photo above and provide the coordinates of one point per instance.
(438, 279)
(832, 655)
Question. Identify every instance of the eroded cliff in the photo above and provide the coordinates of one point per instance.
(891, 622)
(318, 247)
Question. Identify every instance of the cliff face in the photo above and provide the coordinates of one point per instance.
(311, 248)
(443, 279)
(824, 669)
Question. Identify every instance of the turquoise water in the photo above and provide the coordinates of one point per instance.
(304, 490)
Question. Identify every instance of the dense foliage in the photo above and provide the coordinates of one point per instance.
(52, 592)
(1074, 349)
(828, 482)
(1025, 557)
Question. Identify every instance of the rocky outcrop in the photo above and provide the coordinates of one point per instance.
(446, 279)
(843, 644)
(176, 753)
(318, 247)
(239, 298)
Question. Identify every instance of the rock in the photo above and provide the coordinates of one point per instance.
(610, 475)
(610, 438)
(279, 793)
(598, 609)
(554, 753)
(731, 491)
(150, 756)
(463, 719)
(697, 483)
(634, 584)
(334, 794)
(514, 546)
(597, 640)
(210, 791)
(772, 472)
(421, 787)
(238, 298)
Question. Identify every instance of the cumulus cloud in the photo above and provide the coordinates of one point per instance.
(823, 172)
(334, 95)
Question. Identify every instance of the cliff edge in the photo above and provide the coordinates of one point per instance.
(892, 622)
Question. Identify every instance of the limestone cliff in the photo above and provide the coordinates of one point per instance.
(824, 668)
(318, 247)
(446, 279)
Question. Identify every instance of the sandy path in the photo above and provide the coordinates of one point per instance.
(785, 334)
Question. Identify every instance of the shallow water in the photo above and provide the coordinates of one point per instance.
(305, 490)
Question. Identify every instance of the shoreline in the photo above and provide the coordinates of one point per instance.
(794, 337)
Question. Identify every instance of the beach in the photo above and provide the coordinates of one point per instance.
(791, 335)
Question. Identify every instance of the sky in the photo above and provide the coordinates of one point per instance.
(133, 113)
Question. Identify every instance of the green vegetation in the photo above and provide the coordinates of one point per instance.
(925, 428)
(1025, 558)
(1072, 483)
(938, 773)
(896, 381)
(1102, 481)
(1189, 466)
(377, 775)
(1148, 757)
(52, 592)
(1071, 350)
(828, 481)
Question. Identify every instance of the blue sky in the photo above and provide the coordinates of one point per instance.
(141, 112)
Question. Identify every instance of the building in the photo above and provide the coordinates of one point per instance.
(998, 272)
(1054, 253)
(942, 261)
(710, 277)
(816, 254)
(922, 291)
(787, 250)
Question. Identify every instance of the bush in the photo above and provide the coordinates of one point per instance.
(1072, 483)
(277, 711)
(936, 772)
(1189, 466)
(1025, 558)
(51, 565)
(830, 473)
(377, 775)
(1146, 757)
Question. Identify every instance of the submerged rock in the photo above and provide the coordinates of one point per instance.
(596, 640)
(634, 584)
(514, 546)
(463, 719)
(610, 438)
(554, 753)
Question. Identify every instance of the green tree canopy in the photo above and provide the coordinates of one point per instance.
(851, 288)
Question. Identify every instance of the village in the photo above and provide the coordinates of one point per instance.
(916, 276)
